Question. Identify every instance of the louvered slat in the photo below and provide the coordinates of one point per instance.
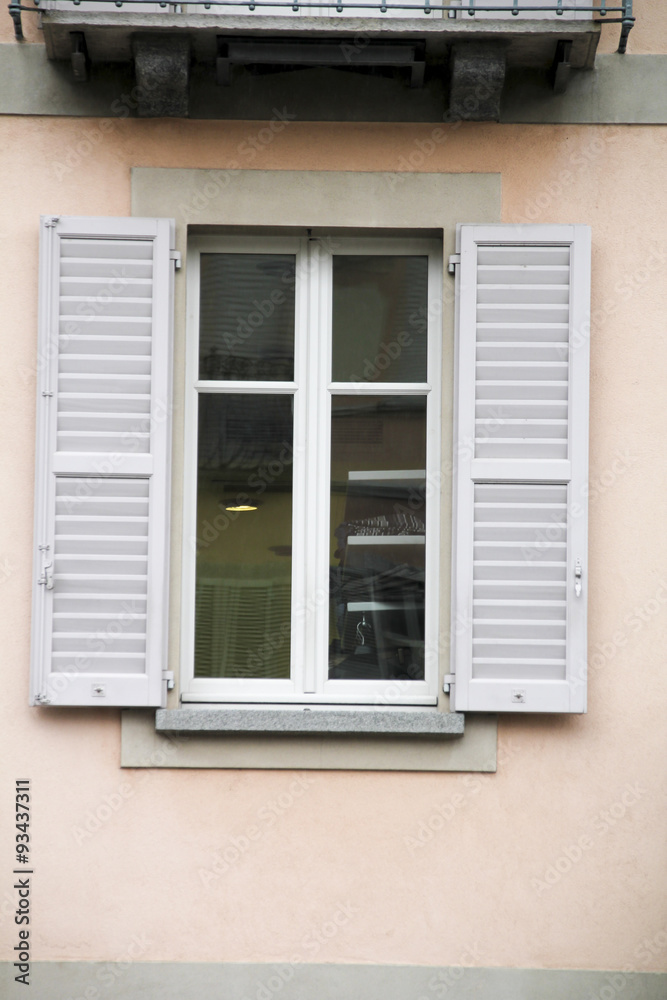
(526, 290)
(95, 568)
(119, 290)
(537, 557)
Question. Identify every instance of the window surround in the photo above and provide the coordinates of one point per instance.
(325, 200)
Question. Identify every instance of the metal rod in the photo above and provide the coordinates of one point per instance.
(626, 20)
(508, 9)
(626, 26)
(15, 14)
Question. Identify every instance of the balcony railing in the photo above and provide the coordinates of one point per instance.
(598, 12)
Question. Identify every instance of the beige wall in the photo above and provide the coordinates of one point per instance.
(345, 837)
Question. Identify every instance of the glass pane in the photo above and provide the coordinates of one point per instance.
(244, 536)
(378, 507)
(246, 324)
(380, 307)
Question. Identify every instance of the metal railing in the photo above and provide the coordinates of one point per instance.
(599, 12)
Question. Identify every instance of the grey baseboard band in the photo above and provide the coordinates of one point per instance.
(289, 981)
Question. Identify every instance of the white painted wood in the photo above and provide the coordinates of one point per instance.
(521, 469)
(103, 462)
(386, 540)
(312, 390)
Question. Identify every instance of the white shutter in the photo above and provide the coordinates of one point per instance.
(102, 476)
(521, 468)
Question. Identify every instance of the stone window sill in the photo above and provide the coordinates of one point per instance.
(275, 721)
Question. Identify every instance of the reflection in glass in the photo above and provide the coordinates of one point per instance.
(244, 536)
(378, 509)
(246, 324)
(380, 306)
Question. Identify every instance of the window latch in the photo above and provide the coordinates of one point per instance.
(46, 579)
(577, 578)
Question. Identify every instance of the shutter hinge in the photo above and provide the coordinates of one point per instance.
(175, 255)
(52, 222)
(42, 699)
(168, 676)
(454, 259)
(447, 680)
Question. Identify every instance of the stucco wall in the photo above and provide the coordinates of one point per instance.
(502, 881)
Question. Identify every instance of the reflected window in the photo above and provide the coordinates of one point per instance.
(315, 408)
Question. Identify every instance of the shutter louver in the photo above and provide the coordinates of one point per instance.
(102, 482)
(519, 570)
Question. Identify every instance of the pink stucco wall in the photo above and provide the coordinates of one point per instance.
(506, 878)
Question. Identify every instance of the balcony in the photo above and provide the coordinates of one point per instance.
(471, 42)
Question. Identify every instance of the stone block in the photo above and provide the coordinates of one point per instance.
(162, 69)
(477, 78)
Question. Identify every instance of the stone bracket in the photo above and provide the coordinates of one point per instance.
(79, 56)
(560, 70)
(162, 69)
(476, 81)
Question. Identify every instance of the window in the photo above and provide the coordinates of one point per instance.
(312, 532)
(311, 542)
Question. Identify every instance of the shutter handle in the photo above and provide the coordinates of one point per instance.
(577, 578)
(46, 579)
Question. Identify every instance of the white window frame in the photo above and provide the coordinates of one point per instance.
(312, 389)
